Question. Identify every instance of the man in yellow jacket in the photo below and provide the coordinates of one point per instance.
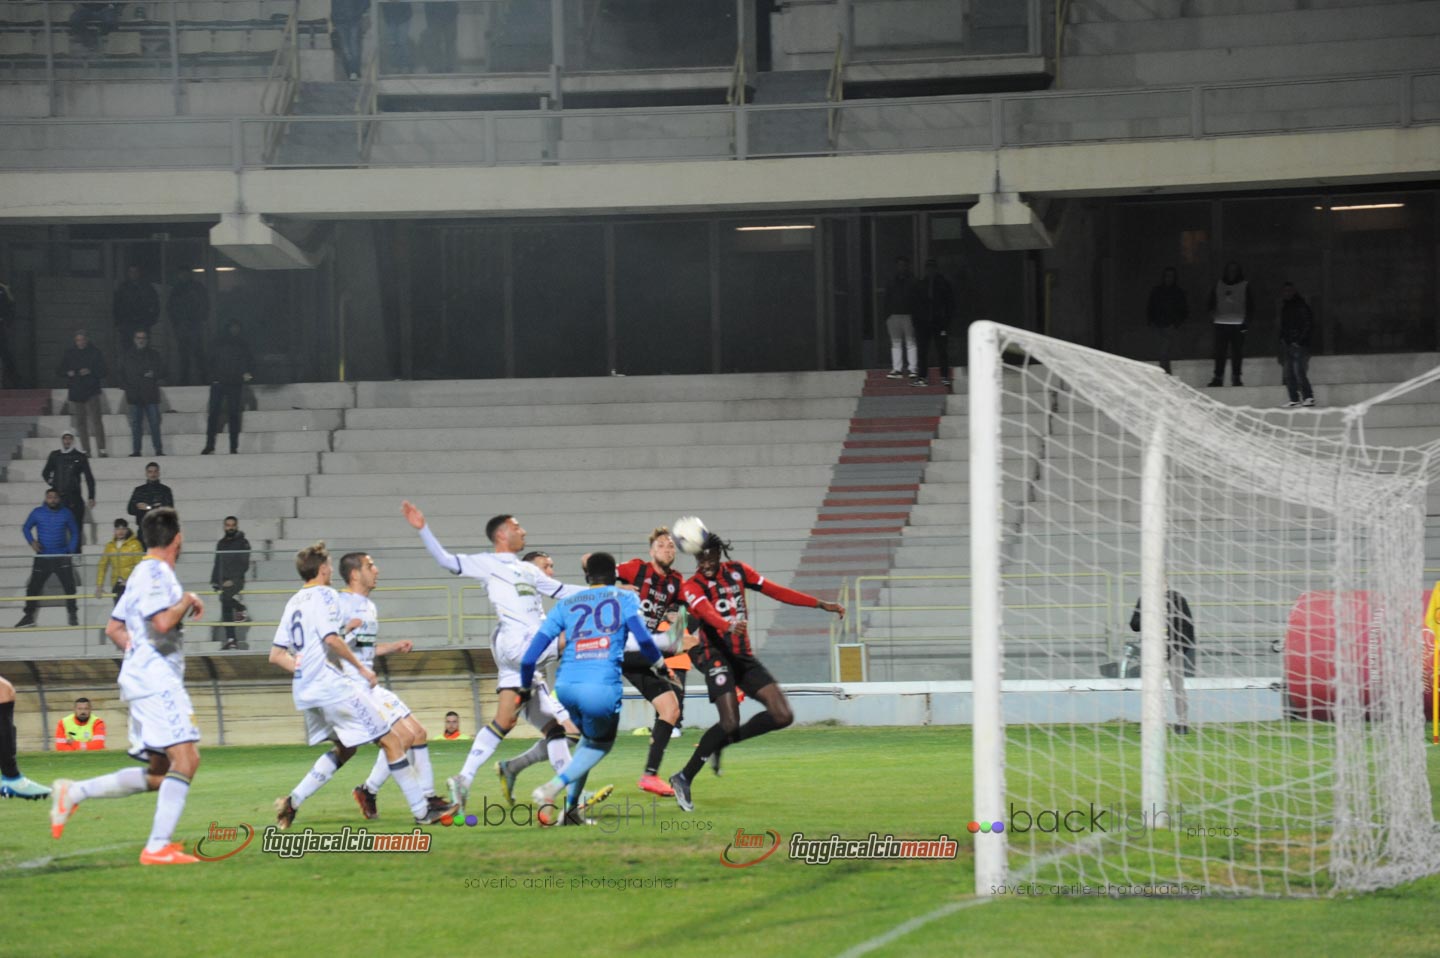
(80, 731)
(122, 554)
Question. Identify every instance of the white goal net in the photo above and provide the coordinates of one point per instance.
(1283, 751)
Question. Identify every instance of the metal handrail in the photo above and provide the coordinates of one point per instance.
(835, 91)
(283, 82)
(996, 103)
(367, 106)
(1062, 13)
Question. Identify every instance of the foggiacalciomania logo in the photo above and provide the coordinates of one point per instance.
(223, 841)
(747, 849)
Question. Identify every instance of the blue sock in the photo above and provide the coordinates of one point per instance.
(586, 757)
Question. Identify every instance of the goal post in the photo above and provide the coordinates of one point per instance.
(1116, 512)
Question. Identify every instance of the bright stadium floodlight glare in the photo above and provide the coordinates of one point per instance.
(1364, 206)
(766, 229)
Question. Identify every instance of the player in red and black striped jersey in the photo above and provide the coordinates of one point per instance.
(716, 596)
(659, 588)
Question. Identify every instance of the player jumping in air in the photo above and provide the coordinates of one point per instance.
(310, 644)
(716, 596)
(145, 624)
(658, 587)
(595, 622)
(514, 588)
(361, 575)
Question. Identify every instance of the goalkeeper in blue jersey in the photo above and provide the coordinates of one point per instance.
(594, 622)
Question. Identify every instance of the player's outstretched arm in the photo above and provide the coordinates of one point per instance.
(416, 518)
(393, 648)
(549, 629)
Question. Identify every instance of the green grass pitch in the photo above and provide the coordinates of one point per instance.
(513, 889)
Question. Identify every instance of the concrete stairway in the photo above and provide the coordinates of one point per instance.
(789, 132)
(321, 144)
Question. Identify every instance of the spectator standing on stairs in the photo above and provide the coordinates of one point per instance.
(1165, 311)
(1296, 322)
(1230, 309)
(189, 309)
(141, 369)
(347, 19)
(122, 554)
(63, 472)
(136, 307)
(227, 577)
(900, 321)
(934, 308)
(52, 532)
(395, 35)
(151, 494)
(83, 369)
(231, 367)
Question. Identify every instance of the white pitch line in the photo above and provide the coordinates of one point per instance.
(904, 928)
(44, 860)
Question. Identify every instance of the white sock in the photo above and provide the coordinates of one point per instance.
(127, 781)
(167, 811)
(420, 758)
(404, 774)
(486, 742)
(378, 774)
(533, 754)
(559, 750)
(321, 772)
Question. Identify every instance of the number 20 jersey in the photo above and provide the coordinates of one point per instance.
(595, 623)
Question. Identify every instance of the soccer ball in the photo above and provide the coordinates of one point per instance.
(689, 533)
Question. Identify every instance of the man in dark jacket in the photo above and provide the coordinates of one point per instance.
(82, 367)
(136, 305)
(934, 309)
(63, 472)
(189, 309)
(1179, 651)
(1296, 323)
(141, 369)
(1166, 310)
(231, 367)
(52, 532)
(227, 576)
(151, 494)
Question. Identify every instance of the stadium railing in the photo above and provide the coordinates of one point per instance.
(655, 134)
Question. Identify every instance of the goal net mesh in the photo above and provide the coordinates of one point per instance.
(1294, 762)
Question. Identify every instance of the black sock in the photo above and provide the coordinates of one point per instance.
(712, 741)
(8, 768)
(659, 738)
(758, 725)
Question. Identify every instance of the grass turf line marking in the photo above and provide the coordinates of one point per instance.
(905, 927)
(44, 860)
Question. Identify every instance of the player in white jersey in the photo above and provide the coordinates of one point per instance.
(309, 643)
(515, 589)
(145, 624)
(361, 575)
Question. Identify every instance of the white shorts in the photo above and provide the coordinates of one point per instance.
(161, 720)
(508, 644)
(351, 722)
(389, 704)
(543, 707)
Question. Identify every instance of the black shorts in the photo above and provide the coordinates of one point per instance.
(636, 670)
(725, 670)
